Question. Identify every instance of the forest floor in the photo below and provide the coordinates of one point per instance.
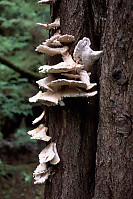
(16, 172)
(16, 182)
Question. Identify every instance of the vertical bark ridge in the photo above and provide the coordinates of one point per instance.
(114, 161)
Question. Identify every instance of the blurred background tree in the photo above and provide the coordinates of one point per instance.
(19, 37)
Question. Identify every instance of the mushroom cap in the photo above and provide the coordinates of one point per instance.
(66, 38)
(50, 98)
(45, 81)
(65, 82)
(51, 51)
(59, 68)
(40, 179)
(39, 133)
(71, 75)
(75, 92)
(56, 158)
(52, 25)
(38, 118)
(47, 154)
(41, 168)
(36, 130)
(44, 2)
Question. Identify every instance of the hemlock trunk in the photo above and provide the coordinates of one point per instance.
(74, 126)
(114, 176)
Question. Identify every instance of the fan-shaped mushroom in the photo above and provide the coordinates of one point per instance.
(45, 2)
(45, 81)
(53, 25)
(39, 133)
(56, 158)
(51, 51)
(38, 118)
(47, 154)
(39, 179)
(83, 54)
(41, 168)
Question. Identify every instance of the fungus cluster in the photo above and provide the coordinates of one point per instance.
(73, 81)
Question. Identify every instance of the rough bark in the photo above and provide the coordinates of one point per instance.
(74, 127)
(114, 155)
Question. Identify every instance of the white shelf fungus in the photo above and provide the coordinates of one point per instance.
(83, 54)
(69, 78)
(53, 25)
(49, 154)
(51, 51)
(38, 118)
(45, 2)
(39, 133)
(41, 168)
(39, 179)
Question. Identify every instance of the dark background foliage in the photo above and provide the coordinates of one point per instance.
(19, 36)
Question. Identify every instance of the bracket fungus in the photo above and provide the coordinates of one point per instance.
(41, 168)
(42, 177)
(51, 51)
(49, 154)
(53, 25)
(45, 2)
(60, 68)
(38, 118)
(39, 133)
(69, 78)
(83, 54)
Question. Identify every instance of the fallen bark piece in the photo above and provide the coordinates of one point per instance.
(38, 118)
(51, 51)
(53, 25)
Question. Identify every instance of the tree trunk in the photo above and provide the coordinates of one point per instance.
(74, 126)
(114, 155)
